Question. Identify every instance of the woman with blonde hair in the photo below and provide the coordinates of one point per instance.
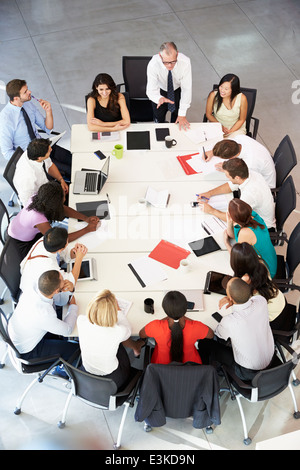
(103, 333)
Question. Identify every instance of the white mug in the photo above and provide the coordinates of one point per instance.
(184, 266)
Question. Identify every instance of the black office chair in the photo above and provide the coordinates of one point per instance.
(252, 123)
(284, 159)
(9, 173)
(265, 385)
(179, 390)
(135, 81)
(10, 260)
(32, 366)
(285, 203)
(286, 265)
(101, 392)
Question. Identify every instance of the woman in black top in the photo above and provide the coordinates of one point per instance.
(106, 108)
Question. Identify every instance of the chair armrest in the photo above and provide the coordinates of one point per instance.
(119, 85)
(255, 127)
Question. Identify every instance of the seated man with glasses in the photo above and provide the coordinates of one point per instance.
(176, 97)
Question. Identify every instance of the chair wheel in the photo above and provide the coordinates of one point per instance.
(296, 414)
(116, 447)
(247, 441)
(1, 301)
(61, 425)
(11, 203)
(17, 411)
(1, 366)
(296, 382)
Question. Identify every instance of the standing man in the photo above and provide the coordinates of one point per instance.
(169, 84)
(19, 121)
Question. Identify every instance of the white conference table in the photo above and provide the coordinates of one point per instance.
(81, 137)
(134, 229)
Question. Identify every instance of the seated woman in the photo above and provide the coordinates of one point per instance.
(228, 106)
(245, 225)
(246, 265)
(103, 333)
(106, 108)
(45, 207)
(175, 335)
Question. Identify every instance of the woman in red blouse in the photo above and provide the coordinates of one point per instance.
(175, 335)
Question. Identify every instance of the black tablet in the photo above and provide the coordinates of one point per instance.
(204, 246)
(216, 282)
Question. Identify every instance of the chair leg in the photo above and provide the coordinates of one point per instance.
(62, 422)
(247, 439)
(296, 413)
(3, 360)
(117, 444)
(17, 410)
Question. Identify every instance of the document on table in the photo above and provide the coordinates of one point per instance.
(124, 305)
(147, 271)
(213, 225)
(204, 132)
(219, 202)
(201, 166)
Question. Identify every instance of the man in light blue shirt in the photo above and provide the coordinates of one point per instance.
(15, 132)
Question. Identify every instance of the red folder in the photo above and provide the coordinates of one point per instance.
(183, 160)
(169, 254)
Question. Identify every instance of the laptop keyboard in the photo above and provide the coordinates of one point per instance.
(91, 181)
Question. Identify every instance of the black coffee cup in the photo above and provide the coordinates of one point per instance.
(170, 142)
(149, 305)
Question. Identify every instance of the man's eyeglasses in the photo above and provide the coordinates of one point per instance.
(173, 62)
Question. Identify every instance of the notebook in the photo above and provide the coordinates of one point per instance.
(91, 181)
(138, 140)
(204, 246)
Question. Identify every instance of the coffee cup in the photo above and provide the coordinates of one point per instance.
(118, 151)
(184, 266)
(149, 305)
(170, 142)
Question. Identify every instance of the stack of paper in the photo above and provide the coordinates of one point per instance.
(147, 271)
(201, 166)
(204, 132)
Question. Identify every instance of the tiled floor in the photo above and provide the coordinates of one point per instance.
(59, 47)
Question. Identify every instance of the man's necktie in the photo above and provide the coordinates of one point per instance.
(28, 124)
(171, 95)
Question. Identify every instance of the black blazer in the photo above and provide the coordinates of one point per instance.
(178, 391)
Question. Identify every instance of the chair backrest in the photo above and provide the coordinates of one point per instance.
(285, 202)
(293, 250)
(10, 260)
(10, 168)
(250, 94)
(4, 331)
(93, 389)
(284, 159)
(271, 382)
(4, 221)
(135, 75)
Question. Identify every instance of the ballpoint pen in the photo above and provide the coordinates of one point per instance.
(203, 197)
(108, 198)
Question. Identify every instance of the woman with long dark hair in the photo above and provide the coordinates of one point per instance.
(106, 107)
(45, 207)
(245, 225)
(175, 335)
(228, 106)
(247, 265)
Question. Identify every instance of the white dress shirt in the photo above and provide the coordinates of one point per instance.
(29, 177)
(256, 192)
(250, 333)
(157, 78)
(33, 317)
(31, 269)
(99, 344)
(258, 158)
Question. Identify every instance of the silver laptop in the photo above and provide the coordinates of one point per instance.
(91, 181)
